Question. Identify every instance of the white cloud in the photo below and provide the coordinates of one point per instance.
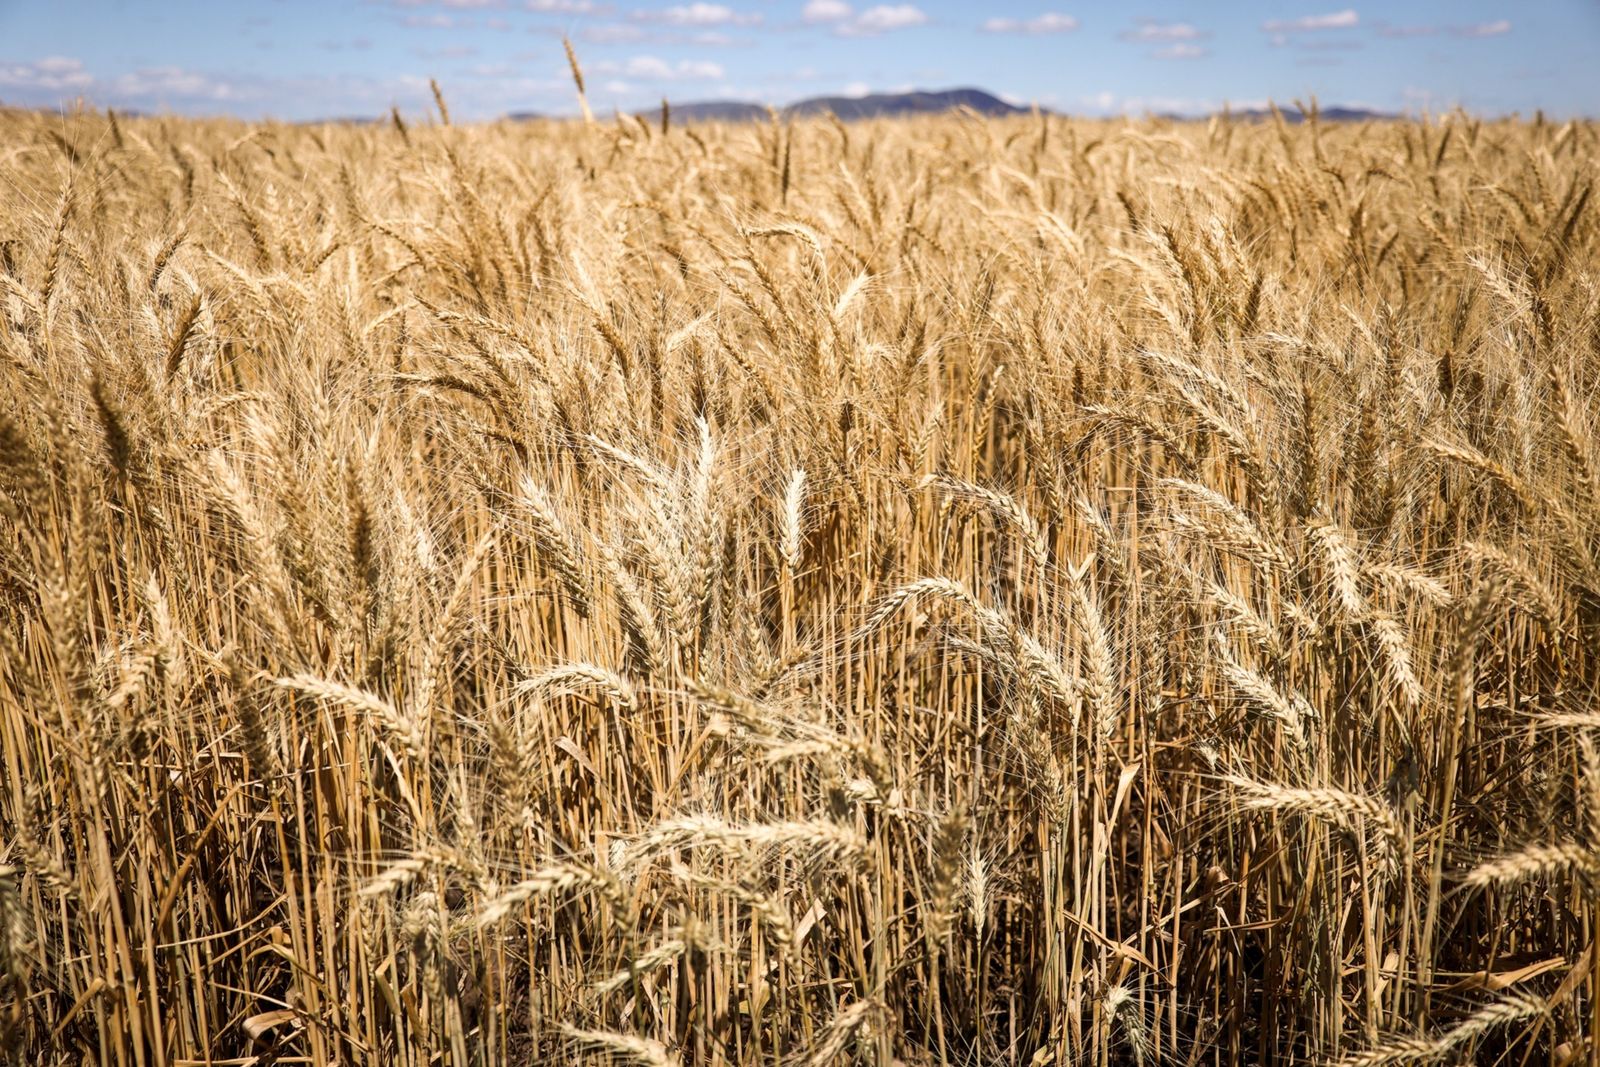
(656, 69)
(1333, 20)
(826, 11)
(1181, 50)
(880, 19)
(891, 17)
(428, 22)
(1407, 31)
(486, 91)
(648, 67)
(560, 7)
(1108, 103)
(50, 80)
(700, 70)
(856, 90)
(1049, 22)
(1149, 30)
(641, 31)
(54, 74)
(1480, 29)
(748, 94)
(452, 51)
(698, 14)
(614, 33)
(483, 93)
(160, 84)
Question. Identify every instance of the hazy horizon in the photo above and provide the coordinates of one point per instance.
(291, 60)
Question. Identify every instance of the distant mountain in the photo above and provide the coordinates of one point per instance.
(848, 107)
(716, 111)
(865, 107)
(919, 103)
(1326, 114)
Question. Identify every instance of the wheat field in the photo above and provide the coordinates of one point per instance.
(941, 591)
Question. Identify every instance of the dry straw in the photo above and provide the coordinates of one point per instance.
(948, 589)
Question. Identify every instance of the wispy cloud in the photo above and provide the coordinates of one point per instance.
(53, 74)
(482, 91)
(55, 79)
(826, 11)
(1386, 30)
(647, 33)
(1477, 29)
(1333, 20)
(1152, 31)
(698, 14)
(656, 69)
(1106, 102)
(435, 21)
(453, 51)
(554, 7)
(881, 19)
(1049, 22)
(1177, 40)
(607, 33)
(161, 83)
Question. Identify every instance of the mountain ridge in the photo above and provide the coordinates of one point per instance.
(872, 105)
(928, 102)
(880, 105)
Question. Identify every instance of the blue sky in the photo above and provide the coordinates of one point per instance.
(294, 59)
